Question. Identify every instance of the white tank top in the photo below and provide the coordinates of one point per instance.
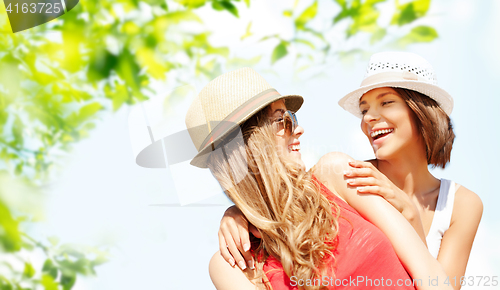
(442, 216)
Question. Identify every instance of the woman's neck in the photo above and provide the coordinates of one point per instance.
(409, 173)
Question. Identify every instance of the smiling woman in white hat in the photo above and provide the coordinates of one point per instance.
(405, 116)
(247, 135)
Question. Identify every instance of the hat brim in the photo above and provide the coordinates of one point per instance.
(350, 102)
(292, 102)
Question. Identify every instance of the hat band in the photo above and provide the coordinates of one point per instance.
(392, 76)
(238, 114)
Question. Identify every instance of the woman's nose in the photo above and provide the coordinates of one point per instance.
(298, 131)
(371, 115)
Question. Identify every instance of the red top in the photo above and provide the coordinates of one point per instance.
(365, 258)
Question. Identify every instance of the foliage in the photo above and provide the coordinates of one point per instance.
(27, 263)
(58, 78)
(359, 19)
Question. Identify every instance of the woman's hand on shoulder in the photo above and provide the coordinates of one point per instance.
(234, 239)
(369, 180)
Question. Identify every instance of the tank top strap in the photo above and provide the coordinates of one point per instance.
(442, 216)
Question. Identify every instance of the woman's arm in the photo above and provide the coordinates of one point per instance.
(457, 240)
(226, 277)
(234, 238)
(406, 242)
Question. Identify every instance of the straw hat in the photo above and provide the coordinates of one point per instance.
(224, 104)
(401, 70)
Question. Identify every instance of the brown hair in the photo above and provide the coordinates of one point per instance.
(434, 125)
(279, 198)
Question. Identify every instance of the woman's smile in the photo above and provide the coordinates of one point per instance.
(388, 122)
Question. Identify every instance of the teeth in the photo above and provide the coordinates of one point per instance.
(295, 147)
(378, 132)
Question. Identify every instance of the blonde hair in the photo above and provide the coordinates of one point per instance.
(279, 198)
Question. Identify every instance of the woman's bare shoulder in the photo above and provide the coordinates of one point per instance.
(330, 171)
(332, 163)
(467, 205)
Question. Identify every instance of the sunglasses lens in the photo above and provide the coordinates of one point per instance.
(289, 122)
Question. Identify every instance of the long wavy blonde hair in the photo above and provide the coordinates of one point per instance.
(297, 222)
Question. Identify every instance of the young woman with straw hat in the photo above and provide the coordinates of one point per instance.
(248, 135)
(405, 116)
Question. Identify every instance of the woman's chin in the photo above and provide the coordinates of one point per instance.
(300, 163)
(295, 157)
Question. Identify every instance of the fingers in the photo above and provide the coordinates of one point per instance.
(363, 181)
(371, 189)
(360, 164)
(234, 240)
(245, 250)
(370, 185)
(255, 231)
(224, 250)
(359, 172)
(232, 247)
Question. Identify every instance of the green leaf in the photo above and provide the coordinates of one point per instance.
(192, 3)
(341, 3)
(306, 42)
(248, 33)
(29, 271)
(315, 33)
(269, 37)
(248, 3)
(49, 268)
(378, 35)
(53, 240)
(177, 17)
(128, 70)
(17, 132)
(306, 16)
(19, 168)
(49, 283)
(242, 62)
(102, 63)
(421, 6)
(222, 51)
(10, 236)
(409, 12)
(419, 34)
(119, 96)
(88, 111)
(217, 6)
(279, 52)
(67, 281)
(288, 13)
(5, 284)
(225, 5)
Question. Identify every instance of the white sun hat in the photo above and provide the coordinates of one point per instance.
(400, 70)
